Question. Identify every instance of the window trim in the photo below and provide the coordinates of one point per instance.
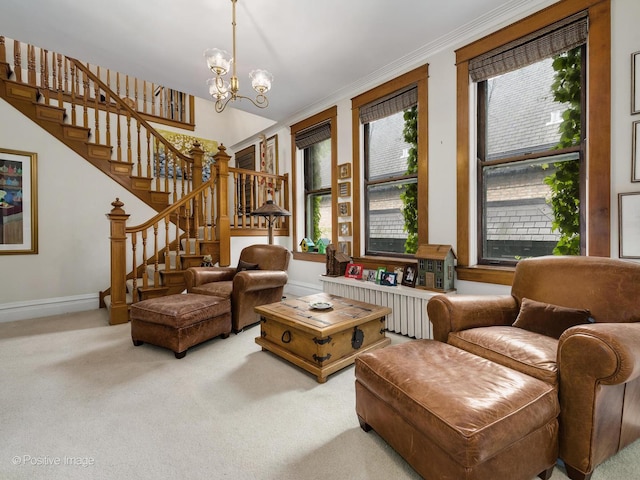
(417, 77)
(598, 134)
(298, 209)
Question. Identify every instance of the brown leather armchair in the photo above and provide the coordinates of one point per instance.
(595, 364)
(261, 283)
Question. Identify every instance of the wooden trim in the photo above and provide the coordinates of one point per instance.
(480, 273)
(330, 114)
(310, 257)
(419, 77)
(598, 125)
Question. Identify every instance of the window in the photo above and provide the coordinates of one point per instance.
(315, 210)
(390, 195)
(528, 168)
(390, 179)
(317, 190)
(594, 156)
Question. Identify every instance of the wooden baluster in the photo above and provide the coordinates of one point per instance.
(156, 270)
(31, 65)
(74, 73)
(197, 215)
(96, 107)
(145, 275)
(138, 150)
(149, 157)
(157, 162)
(85, 100)
(118, 133)
(252, 198)
(129, 160)
(187, 229)
(144, 96)
(167, 222)
(134, 267)
(54, 72)
(107, 108)
(237, 204)
(17, 61)
(66, 75)
(60, 84)
(135, 93)
(161, 109)
(153, 99)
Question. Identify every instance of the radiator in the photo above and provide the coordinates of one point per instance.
(408, 305)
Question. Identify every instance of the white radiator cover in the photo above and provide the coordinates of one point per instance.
(408, 305)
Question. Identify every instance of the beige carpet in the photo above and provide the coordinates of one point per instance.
(78, 401)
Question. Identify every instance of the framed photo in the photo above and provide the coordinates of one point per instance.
(354, 270)
(635, 152)
(344, 189)
(344, 247)
(18, 202)
(388, 279)
(409, 276)
(629, 225)
(371, 275)
(635, 83)
(345, 229)
(379, 273)
(344, 170)
(344, 209)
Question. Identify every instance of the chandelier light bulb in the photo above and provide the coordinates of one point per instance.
(261, 81)
(218, 61)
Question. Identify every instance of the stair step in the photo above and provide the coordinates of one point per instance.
(119, 168)
(74, 132)
(98, 151)
(20, 91)
(50, 113)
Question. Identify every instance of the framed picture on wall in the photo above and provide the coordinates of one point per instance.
(635, 152)
(344, 209)
(635, 83)
(344, 170)
(344, 189)
(345, 229)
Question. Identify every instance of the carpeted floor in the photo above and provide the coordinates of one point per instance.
(79, 401)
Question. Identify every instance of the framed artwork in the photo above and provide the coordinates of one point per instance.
(18, 202)
(344, 247)
(184, 143)
(629, 225)
(344, 189)
(388, 279)
(409, 276)
(345, 229)
(344, 209)
(344, 170)
(269, 163)
(354, 270)
(379, 273)
(635, 83)
(371, 275)
(635, 152)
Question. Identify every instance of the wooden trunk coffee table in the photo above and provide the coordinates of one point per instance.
(321, 341)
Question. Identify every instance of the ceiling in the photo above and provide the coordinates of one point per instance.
(317, 50)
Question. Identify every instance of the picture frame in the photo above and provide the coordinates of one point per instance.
(635, 83)
(344, 247)
(354, 270)
(409, 275)
(379, 273)
(635, 152)
(344, 209)
(345, 229)
(388, 279)
(371, 275)
(344, 189)
(18, 202)
(629, 225)
(344, 171)
(270, 160)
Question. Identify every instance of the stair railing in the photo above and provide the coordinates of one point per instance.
(140, 151)
(151, 254)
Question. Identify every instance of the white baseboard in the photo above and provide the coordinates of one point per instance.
(299, 289)
(48, 306)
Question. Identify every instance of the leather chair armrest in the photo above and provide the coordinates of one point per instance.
(452, 313)
(195, 276)
(251, 280)
(606, 353)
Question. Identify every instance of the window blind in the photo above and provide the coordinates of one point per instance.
(396, 102)
(547, 42)
(312, 135)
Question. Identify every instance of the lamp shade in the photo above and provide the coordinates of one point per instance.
(270, 209)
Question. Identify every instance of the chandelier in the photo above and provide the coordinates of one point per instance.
(223, 91)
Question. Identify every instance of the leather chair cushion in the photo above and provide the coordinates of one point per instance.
(548, 319)
(180, 310)
(242, 266)
(218, 289)
(527, 352)
(470, 406)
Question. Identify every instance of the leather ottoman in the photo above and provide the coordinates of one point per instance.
(453, 415)
(180, 321)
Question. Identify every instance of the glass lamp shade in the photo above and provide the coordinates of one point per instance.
(218, 88)
(261, 80)
(218, 61)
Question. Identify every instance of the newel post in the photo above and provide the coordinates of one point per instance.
(223, 227)
(118, 219)
(197, 154)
